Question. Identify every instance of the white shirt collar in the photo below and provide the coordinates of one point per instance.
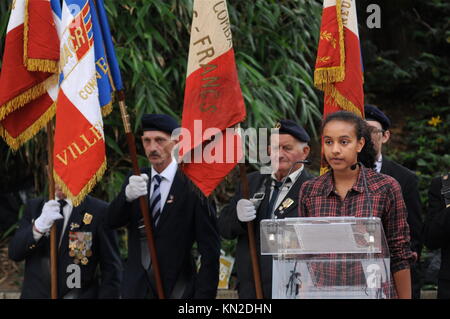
(169, 172)
(379, 163)
(69, 202)
(293, 176)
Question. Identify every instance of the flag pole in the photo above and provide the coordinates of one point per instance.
(143, 199)
(51, 195)
(251, 235)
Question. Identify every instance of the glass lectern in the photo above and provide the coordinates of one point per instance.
(327, 257)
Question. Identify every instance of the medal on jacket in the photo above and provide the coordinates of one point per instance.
(285, 204)
(74, 225)
(87, 218)
(80, 244)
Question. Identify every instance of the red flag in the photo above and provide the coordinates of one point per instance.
(338, 66)
(27, 97)
(212, 95)
(41, 41)
(338, 70)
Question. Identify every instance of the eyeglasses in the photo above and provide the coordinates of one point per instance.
(373, 130)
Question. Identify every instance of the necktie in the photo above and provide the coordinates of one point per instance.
(273, 198)
(155, 209)
(155, 200)
(60, 222)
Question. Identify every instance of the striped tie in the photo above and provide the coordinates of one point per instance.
(155, 200)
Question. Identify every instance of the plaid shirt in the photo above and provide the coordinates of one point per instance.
(318, 198)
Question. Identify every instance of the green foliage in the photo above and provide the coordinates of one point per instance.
(274, 43)
(415, 89)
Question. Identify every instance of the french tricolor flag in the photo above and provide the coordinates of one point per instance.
(338, 70)
(213, 98)
(28, 78)
(79, 148)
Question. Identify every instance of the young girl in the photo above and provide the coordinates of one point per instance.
(341, 191)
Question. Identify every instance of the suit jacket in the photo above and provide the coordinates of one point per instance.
(105, 255)
(437, 227)
(186, 218)
(230, 228)
(410, 191)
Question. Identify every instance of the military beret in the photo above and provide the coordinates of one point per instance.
(373, 113)
(292, 128)
(159, 122)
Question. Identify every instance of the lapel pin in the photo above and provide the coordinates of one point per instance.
(74, 225)
(287, 202)
(87, 218)
(170, 200)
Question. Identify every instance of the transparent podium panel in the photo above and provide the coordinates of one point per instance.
(327, 257)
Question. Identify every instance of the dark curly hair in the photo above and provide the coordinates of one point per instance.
(367, 156)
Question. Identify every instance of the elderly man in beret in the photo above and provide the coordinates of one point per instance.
(268, 200)
(180, 218)
(379, 125)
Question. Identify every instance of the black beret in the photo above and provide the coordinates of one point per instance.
(292, 128)
(159, 122)
(373, 113)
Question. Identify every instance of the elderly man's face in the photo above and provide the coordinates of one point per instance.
(59, 192)
(289, 151)
(158, 149)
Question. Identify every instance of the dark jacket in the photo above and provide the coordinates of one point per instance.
(185, 219)
(410, 191)
(230, 227)
(105, 255)
(437, 229)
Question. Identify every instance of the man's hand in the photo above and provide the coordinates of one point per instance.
(246, 210)
(50, 213)
(137, 187)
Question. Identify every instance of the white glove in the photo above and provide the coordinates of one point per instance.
(50, 213)
(137, 187)
(246, 210)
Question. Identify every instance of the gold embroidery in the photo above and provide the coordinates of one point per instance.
(325, 35)
(323, 59)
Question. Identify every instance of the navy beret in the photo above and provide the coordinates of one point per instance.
(292, 128)
(159, 122)
(373, 113)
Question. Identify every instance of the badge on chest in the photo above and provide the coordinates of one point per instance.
(80, 244)
(285, 205)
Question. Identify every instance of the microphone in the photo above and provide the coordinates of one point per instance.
(307, 162)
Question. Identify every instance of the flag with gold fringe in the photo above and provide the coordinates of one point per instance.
(108, 73)
(338, 70)
(89, 75)
(28, 85)
(79, 147)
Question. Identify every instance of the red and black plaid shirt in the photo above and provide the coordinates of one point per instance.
(318, 198)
